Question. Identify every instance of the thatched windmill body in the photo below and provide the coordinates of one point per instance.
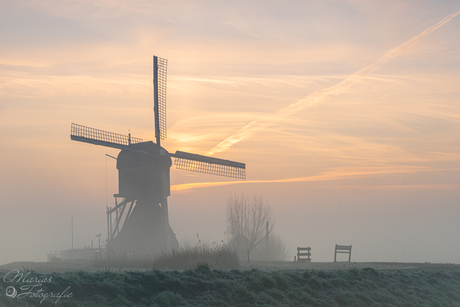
(139, 224)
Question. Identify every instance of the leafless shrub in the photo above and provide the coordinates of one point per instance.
(249, 223)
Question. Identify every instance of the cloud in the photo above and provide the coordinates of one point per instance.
(339, 174)
(319, 97)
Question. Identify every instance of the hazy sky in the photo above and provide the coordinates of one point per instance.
(350, 130)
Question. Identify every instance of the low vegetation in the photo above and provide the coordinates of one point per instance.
(217, 257)
(203, 286)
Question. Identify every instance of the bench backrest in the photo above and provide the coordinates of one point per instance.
(303, 252)
(342, 249)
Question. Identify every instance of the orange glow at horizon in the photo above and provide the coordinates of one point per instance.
(327, 176)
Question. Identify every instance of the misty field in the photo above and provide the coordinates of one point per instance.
(202, 286)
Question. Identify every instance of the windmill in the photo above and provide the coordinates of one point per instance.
(139, 224)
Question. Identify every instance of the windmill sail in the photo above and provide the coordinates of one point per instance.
(159, 98)
(209, 165)
(100, 137)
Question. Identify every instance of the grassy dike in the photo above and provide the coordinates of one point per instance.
(202, 286)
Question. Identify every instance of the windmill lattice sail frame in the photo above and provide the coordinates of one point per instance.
(88, 133)
(209, 168)
(159, 84)
(209, 165)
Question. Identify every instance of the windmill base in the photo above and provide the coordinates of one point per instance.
(145, 233)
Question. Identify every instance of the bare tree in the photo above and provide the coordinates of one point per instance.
(247, 221)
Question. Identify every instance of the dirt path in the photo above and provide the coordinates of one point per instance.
(291, 265)
(64, 266)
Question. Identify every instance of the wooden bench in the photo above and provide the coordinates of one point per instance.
(301, 253)
(345, 249)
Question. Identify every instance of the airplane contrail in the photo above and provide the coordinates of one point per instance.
(319, 97)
